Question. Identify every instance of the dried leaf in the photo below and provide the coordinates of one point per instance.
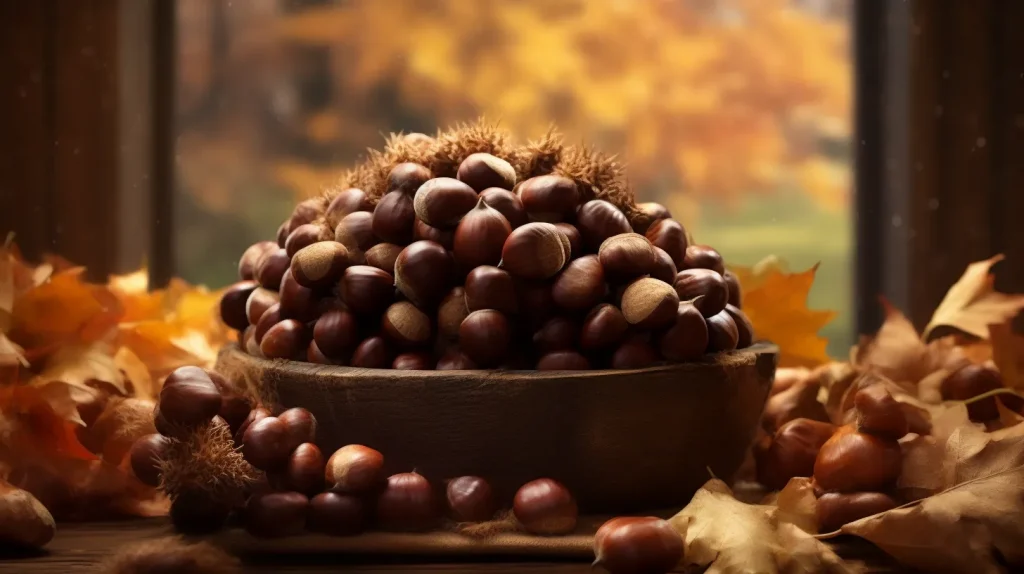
(972, 304)
(776, 304)
(76, 365)
(797, 504)
(898, 353)
(1008, 354)
(30, 427)
(728, 536)
(136, 373)
(62, 310)
(1007, 418)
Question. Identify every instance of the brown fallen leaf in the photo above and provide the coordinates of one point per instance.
(898, 353)
(23, 519)
(730, 537)
(972, 304)
(1008, 354)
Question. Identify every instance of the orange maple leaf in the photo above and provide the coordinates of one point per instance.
(775, 301)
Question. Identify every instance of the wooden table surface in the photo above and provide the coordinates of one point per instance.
(80, 547)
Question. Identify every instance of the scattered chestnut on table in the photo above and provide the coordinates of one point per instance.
(637, 545)
(545, 507)
(407, 504)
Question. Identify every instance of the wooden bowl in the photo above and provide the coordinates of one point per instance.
(621, 440)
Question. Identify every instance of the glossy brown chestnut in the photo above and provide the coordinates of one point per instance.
(705, 288)
(190, 399)
(271, 268)
(670, 235)
(557, 334)
(627, 255)
(535, 301)
(407, 178)
(255, 414)
(970, 381)
(354, 469)
(233, 304)
(445, 237)
(488, 287)
(792, 452)
(563, 361)
(336, 333)
(574, 237)
(664, 268)
(744, 328)
(545, 507)
(535, 251)
(251, 256)
(259, 301)
(145, 456)
(634, 354)
(480, 236)
(798, 401)
(417, 361)
(470, 499)
(285, 340)
(603, 328)
(234, 405)
(347, 201)
(266, 443)
(337, 514)
(451, 312)
(703, 257)
(483, 170)
(306, 211)
(723, 335)
(297, 302)
(637, 545)
(424, 272)
(321, 264)
(355, 232)
(735, 291)
(455, 360)
(405, 325)
(649, 303)
(442, 201)
(372, 353)
(581, 285)
(687, 338)
(651, 213)
(550, 198)
(305, 471)
(484, 337)
(393, 218)
(852, 461)
(383, 256)
(276, 514)
(407, 504)
(301, 426)
(879, 413)
(282, 234)
(367, 290)
(305, 235)
(316, 356)
(598, 220)
(507, 203)
(834, 510)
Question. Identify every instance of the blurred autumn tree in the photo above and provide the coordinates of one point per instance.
(708, 101)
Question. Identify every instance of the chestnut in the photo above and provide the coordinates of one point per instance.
(634, 354)
(707, 289)
(337, 514)
(393, 218)
(581, 285)
(852, 461)
(490, 288)
(598, 220)
(407, 504)
(445, 237)
(651, 213)
(563, 361)
(835, 510)
(316, 356)
(418, 361)
(574, 237)
(703, 257)
(305, 471)
(233, 304)
(145, 456)
(189, 397)
(735, 292)
(355, 232)
(383, 256)
(627, 255)
(354, 469)
(301, 425)
(664, 268)
(442, 201)
(484, 337)
(266, 443)
(723, 335)
(297, 302)
(535, 301)
(320, 264)
(372, 353)
(744, 328)
(305, 235)
(470, 499)
(234, 406)
(455, 361)
(483, 170)
(480, 236)
(405, 325)
(451, 312)
(545, 507)
(800, 400)
(252, 254)
(367, 290)
(557, 334)
(637, 545)
(535, 251)
(255, 414)
(285, 340)
(649, 303)
(970, 381)
(305, 211)
(347, 201)
(670, 235)
(880, 414)
(276, 514)
(687, 338)
(282, 234)
(507, 203)
(424, 272)
(271, 267)
(259, 301)
(604, 327)
(336, 333)
(407, 178)
(549, 198)
(791, 452)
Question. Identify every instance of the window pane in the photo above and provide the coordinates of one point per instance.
(734, 113)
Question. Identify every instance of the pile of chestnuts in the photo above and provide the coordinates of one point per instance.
(482, 271)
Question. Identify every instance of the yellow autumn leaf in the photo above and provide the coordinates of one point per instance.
(972, 304)
(776, 304)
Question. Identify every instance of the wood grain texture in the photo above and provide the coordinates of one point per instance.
(622, 441)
